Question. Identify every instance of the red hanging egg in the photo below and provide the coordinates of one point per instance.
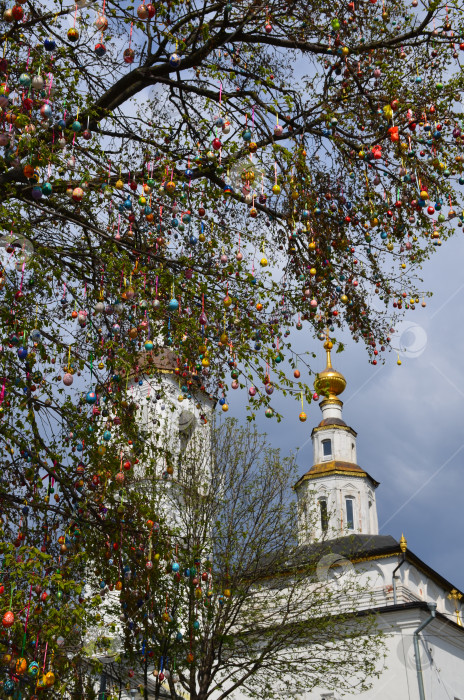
(17, 12)
(128, 56)
(142, 12)
(8, 619)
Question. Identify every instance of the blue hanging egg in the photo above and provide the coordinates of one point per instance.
(149, 345)
(174, 60)
(91, 397)
(22, 353)
(107, 435)
(173, 305)
(49, 44)
(33, 669)
(175, 567)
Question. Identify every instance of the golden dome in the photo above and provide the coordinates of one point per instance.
(330, 382)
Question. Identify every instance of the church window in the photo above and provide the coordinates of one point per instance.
(327, 448)
(349, 514)
(324, 515)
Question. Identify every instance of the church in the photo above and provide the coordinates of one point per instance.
(418, 610)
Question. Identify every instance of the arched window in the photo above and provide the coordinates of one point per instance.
(349, 505)
(327, 449)
(324, 514)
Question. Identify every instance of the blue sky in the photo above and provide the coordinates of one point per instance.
(409, 419)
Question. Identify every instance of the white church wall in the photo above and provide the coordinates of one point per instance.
(442, 661)
(336, 489)
(343, 445)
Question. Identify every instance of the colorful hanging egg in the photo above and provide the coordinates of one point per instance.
(21, 666)
(91, 397)
(128, 56)
(33, 669)
(100, 50)
(8, 619)
(174, 60)
(73, 34)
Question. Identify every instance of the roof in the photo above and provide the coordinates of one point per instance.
(413, 605)
(332, 421)
(357, 547)
(352, 547)
(336, 467)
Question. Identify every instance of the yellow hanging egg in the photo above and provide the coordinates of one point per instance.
(227, 301)
(276, 189)
(119, 184)
(263, 262)
(302, 416)
(49, 678)
(225, 407)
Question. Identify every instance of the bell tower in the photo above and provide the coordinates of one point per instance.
(336, 497)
